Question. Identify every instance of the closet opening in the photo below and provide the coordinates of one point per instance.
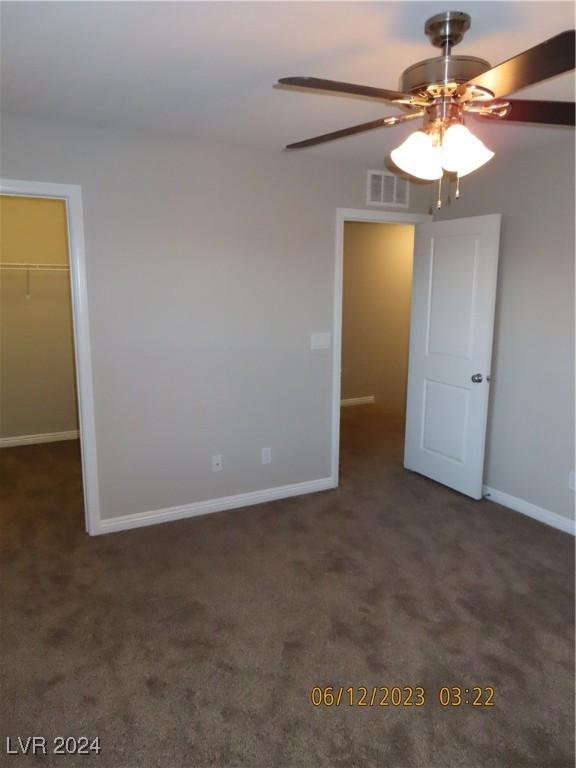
(39, 411)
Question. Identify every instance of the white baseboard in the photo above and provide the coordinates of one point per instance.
(526, 508)
(140, 519)
(48, 437)
(357, 401)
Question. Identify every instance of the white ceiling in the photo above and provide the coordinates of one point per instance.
(207, 69)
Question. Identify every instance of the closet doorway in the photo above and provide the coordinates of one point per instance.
(38, 371)
(47, 442)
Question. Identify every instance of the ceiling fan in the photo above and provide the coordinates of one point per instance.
(443, 90)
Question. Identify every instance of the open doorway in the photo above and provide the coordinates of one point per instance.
(39, 431)
(376, 295)
(372, 304)
(47, 437)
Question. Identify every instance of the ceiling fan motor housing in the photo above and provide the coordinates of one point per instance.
(431, 74)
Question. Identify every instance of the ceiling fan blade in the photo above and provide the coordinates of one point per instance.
(545, 112)
(380, 123)
(318, 84)
(552, 57)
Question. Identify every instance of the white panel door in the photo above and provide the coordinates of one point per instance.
(453, 298)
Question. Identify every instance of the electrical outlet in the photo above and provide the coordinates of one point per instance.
(267, 455)
(572, 481)
(217, 463)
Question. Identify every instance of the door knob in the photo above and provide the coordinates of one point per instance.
(477, 378)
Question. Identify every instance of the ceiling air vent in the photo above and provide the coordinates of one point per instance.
(386, 189)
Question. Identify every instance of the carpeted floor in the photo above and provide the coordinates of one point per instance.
(198, 643)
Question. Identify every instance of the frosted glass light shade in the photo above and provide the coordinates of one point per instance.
(419, 157)
(462, 152)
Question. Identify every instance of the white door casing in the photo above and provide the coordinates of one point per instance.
(453, 300)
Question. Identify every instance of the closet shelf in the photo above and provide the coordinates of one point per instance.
(36, 267)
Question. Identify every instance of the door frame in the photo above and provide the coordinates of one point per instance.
(344, 215)
(71, 194)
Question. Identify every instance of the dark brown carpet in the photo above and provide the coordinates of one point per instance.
(197, 643)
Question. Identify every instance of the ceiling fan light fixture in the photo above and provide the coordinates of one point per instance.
(462, 152)
(418, 157)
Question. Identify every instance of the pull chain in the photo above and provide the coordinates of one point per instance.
(439, 200)
(457, 186)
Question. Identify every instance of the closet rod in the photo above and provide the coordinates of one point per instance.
(36, 267)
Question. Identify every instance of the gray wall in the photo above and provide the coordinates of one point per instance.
(376, 312)
(530, 448)
(208, 268)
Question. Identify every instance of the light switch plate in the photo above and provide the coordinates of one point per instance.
(320, 340)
